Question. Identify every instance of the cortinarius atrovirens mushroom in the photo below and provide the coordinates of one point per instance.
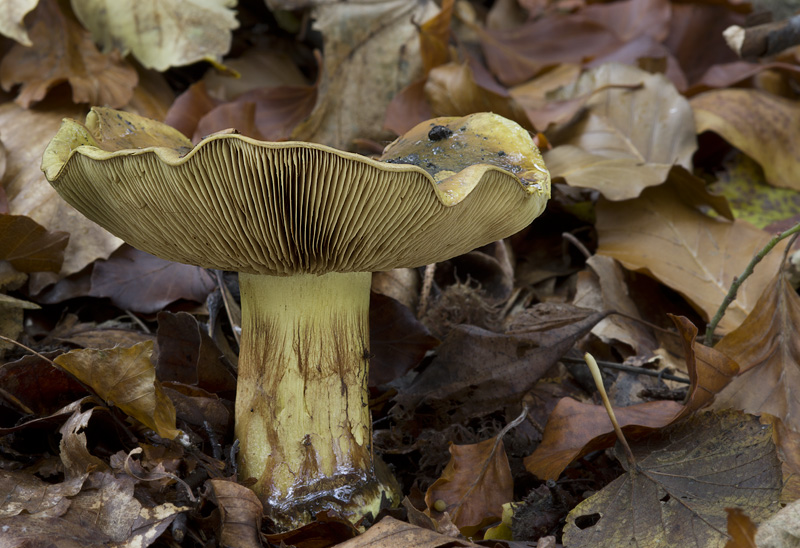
(304, 225)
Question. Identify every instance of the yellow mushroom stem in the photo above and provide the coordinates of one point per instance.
(302, 418)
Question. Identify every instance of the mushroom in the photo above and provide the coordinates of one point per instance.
(304, 225)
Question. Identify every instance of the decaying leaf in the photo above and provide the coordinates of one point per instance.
(163, 34)
(473, 486)
(75, 455)
(741, 529)
(694, 254)
(62, 51)
(125, 377)
(22, 491)
(575, 429)
(781, 530)
(29, 247)
(769, 381)
(359, 78)
(239, 516)
(393, 532)
(31, 195)
(398, 341)
(760, 124)
(11, 20)
(637, 126)
(135, 280)
(683, 479)
(477, 371)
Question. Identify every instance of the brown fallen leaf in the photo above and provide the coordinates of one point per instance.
(473, 486)
(741, 529)
(137, 281)
(31, 195)
(694, 254)
(517, 55)
(63, 51)
(126, 378)
(788, 444)
(769, 381)
(602, 287)
(75, 455)
(28, 246)
(575, 429)
(684, 477)
(359, 79)
(398, 341)
(452, 90)
(477, 371)
(187, 354)
(23, 491)
(164, 34)
(637, 126)
(392, 532)
(239, 514)
(760, 124)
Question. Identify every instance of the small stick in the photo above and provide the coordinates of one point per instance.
(425, 292)
(708, 339)
(763, 40)
(598, 381)
(577, 243)
(633, 370)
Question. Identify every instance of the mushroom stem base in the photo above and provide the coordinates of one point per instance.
(302, 418)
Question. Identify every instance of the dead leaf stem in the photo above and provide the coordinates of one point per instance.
(708, 339)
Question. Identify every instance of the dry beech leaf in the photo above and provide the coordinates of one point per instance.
(265, 67)
(633, 18)
(12, 19)
(408, 108)
(126, 378)
(694, 254)
(603, 288)
(393, 532)
(761, 125)
(517, 55)
(769, 381)
(135, 280)
(163, 34)
(683, 479)
(637, 126)
(788, 443)
(371, 53)
(532, 97)
(474, 485)
(575, 429)
(62, 51)
(31, 195)
(240, 514)
(434, 37)
(451, 90)
(29, 247)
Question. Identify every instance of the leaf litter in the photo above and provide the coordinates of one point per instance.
(127, 441)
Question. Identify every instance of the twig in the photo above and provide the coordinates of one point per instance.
(763, 40)
(632, 369)
(708, 339)
(425, 292)
(598, 381)
(577, 243)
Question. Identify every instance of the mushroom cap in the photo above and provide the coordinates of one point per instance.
(235, 203)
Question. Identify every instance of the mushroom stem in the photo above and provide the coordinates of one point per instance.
(302, 418)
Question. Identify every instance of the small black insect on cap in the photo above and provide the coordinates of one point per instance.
(437, 133)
